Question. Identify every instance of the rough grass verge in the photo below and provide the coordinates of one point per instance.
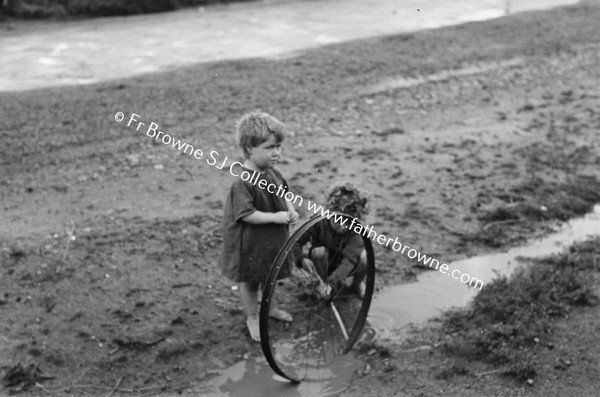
(511, 319)
(532, 202)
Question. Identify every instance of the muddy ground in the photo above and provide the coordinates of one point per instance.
(109, 240)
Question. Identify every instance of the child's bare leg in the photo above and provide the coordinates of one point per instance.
(358, 280)
(319, 257)
(318, 269)
(278, 314)
(248, 296)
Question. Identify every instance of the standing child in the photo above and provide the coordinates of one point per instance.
(255, 224)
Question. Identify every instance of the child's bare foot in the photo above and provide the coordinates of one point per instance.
(280, 315)
(253, 328)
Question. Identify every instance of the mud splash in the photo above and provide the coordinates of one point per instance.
(396, 307)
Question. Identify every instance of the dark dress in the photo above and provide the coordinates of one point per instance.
(249, 250)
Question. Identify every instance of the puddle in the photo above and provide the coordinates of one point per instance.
(395, 307)
(392, 309)
(254, 377)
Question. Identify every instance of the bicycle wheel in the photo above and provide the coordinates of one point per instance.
(323, 327)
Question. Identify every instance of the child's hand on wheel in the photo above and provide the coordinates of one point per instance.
(281, 217)
(293, 218)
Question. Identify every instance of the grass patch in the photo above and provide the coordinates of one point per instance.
(537, 199)
(512, 318)
(531, 203)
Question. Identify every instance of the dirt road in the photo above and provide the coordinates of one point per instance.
(109, 240)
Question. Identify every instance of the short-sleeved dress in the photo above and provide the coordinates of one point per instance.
(249, 250)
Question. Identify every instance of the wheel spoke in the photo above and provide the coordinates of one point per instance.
(339, 320)
(323, 327)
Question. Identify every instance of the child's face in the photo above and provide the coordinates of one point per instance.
(266, 155)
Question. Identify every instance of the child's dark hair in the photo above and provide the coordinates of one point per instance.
(347, 199)
(254, 129)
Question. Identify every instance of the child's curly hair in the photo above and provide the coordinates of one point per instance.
(347, 199)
